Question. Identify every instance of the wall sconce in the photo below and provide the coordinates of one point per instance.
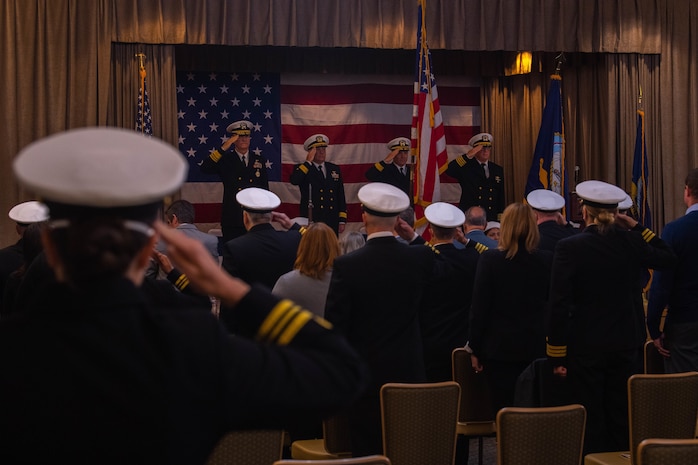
(520, 64)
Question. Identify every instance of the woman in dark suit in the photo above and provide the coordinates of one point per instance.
(509, 304)
(597, 328)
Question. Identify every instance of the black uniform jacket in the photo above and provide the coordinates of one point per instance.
(235, 176)
(551, 232)
(262, 254)
(476, 189)
(510, 296)
(105, 377)
(329, 203)
(389, 174)
(590, 265)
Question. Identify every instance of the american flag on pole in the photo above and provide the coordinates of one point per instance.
(428, 136)
(359, 114)
(144, 121)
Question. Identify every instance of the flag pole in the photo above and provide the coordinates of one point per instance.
(141, 73)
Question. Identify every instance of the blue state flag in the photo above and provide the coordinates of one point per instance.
(548, 164)
(638, 190)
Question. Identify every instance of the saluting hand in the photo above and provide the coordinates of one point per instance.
(659, 344)
(231, 140)
(472, 152)
(311, 155)
(392, 155)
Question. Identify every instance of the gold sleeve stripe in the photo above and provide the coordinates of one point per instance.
(481, 247)
(282, 322)
(379, 166)
(343, 215)
(303, 230)
(292, 328)
(648, 235)
(272, 319)
(215, 156)
(303, 168)
(323, 322)
(461, 161)
(556, 351)
(182, 282)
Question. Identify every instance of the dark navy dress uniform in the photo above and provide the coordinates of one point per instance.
(235, 176)
(329, 203)
(596, 329)
(476, 188)
(390, 174)
(551, 232)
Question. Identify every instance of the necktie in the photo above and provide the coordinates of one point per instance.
(402, 170)
(322, 172)
(487, 171)
(244, 159)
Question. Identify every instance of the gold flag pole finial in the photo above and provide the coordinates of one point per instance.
(639, 98)
(560, 60)
(141, 59)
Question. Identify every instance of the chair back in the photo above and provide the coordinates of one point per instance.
(336, 433)
(540, 435)
(653, 360)
(419, 422)
(367, 460)
(253, 447)
(662, 406)
(668, 451)
(475, 399)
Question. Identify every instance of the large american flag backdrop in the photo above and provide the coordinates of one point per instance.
(359, 114)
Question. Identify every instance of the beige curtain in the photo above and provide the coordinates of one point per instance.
(619, 26)
(54, 68)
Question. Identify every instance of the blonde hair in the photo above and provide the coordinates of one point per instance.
(603, 218)
(518, 228)
(317, 250)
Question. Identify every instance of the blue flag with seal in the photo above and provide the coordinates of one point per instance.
(548, 164)
(638, 190)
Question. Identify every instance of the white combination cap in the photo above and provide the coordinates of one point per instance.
(381, 199)
(600, 194)
(257, 200)
(545, 200)
(100, 168)
(444, 215)
(493, 225)
(626, 203)
(29, 212)
(241, 128)
(402, 143)
(485, 139)
(316, 140)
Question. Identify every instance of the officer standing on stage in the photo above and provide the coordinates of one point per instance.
(394, 170)
(321, 182)
(481, 180)
(238, 169)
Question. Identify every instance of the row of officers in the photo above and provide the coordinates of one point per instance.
(320, 182)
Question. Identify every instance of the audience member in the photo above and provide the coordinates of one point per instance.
(31, 248)
(492, 230)
(475, 224)
(596, 331)
(263, 254)
(97, 374)
(374, 299)
(552, 225)
(510, 297)
(351, 241)
(308, 282)
(677, 289)
(12, 256)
